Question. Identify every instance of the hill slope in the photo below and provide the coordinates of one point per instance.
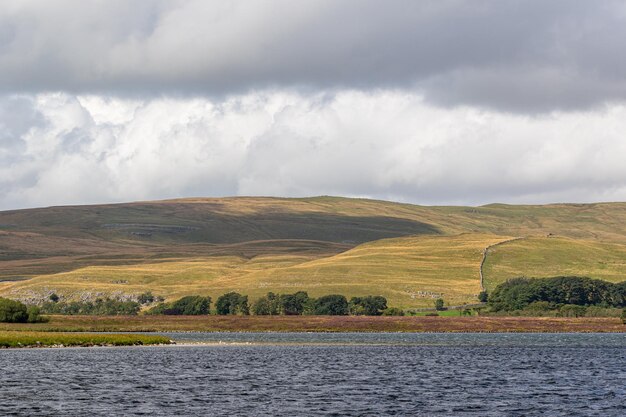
(255, 245)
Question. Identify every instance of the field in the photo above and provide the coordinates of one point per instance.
(318, 324)
(410, 272)
(543, 257)
(208, 246)
(45, 339)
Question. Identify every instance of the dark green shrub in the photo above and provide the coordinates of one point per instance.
(393, 311)
(540, 306)
(100, 307)
(483, 296)
(439, 306)
(572, 310)
(146, 298)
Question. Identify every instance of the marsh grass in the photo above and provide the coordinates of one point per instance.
(13, 339)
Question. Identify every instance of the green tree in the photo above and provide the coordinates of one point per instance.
(439, 306)
(232, 303)
(367, 306)
(192, 305)
(483, 296)
(54, 298)
(12, 311)
(266, 306)
(293, 304)
(331, 305)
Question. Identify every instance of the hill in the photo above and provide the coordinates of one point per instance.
(406, 252)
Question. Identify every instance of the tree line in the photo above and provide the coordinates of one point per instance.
(12, 311)
(556, 293)
(272, 304)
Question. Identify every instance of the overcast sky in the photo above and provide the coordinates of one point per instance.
(428, 102)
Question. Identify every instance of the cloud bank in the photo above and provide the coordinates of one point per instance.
(513, 55)
(431, 102)
(67, 149)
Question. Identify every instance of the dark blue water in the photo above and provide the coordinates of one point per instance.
(325, 374)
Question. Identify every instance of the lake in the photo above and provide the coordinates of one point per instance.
(345, 374)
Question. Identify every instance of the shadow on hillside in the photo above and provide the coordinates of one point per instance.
(219, 228)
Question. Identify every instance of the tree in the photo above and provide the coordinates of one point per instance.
(520, 293)
(192, 305)
(54, 298)
(483, 296)
(262, 307)
(232, 303)
(293, 304)
(331, 305)
(12, 311)
(367, 306)
(439, 304)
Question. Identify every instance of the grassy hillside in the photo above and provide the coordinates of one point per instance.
(409, 271)
(321, 244)
(548, 257)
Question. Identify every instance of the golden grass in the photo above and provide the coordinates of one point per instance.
(409, 272)
(549, 256)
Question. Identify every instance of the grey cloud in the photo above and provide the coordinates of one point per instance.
(528, 56)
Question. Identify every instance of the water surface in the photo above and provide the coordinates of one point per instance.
(287, 374)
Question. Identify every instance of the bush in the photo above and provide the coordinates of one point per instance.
(595, 311)
(331, 305)
(572, 310)
(540, 306)
(439, 304)
(483, 296)
(232, 303)
(393, 311)
(100, 307)
(146, 298)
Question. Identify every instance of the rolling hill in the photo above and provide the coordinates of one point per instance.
(407, 253)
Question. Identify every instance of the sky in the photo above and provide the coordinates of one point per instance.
(429, 102)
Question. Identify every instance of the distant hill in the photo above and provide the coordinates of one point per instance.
(406, 252)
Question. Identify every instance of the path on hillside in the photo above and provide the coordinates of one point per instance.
(485, 251)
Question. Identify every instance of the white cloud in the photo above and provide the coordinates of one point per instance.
(384, 144)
